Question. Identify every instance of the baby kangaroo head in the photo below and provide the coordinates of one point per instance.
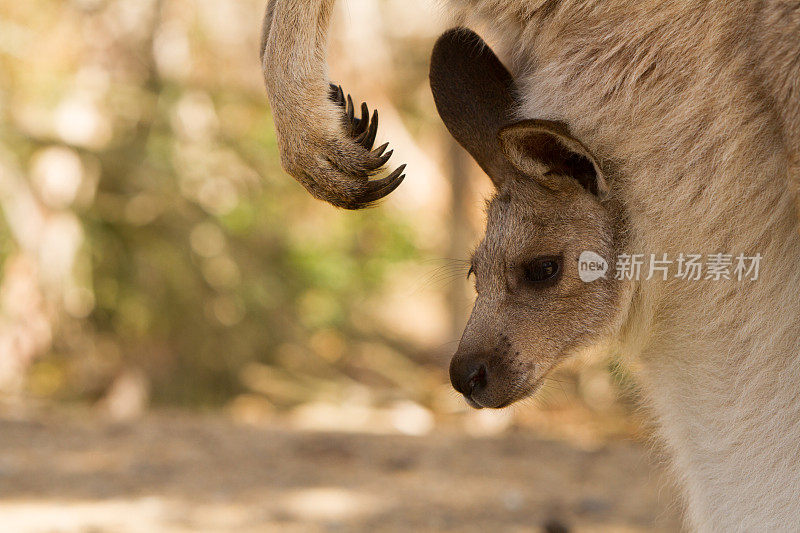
(533, 308)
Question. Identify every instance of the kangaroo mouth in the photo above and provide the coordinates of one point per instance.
(497, 385)
(472, 403)
(525, 389)
(520, 390)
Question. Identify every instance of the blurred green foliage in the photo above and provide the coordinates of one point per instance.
(152, 247)
(203, 255)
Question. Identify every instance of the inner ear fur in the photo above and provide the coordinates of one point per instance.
(545, 149)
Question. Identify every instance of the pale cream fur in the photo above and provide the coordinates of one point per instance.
(701, 134)
(693, 109)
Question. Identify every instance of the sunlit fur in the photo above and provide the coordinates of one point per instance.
(331, 165)
(521, 330)
(693, 109)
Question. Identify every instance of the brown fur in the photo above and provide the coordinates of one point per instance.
(691, 111)
(315, 147)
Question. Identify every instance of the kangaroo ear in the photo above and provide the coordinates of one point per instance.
(545, 150)
(474, 95)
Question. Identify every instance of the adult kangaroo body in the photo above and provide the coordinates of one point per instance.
(689, 113)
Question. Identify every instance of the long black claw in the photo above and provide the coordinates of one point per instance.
(337, 94)
(384, 186)
(377, 152)
(350, 111)
(388, 189)
(382, 158)
(364, 130)
(361, 129)
(369, 140)
(385, 158)
(361, 124)
(399, 170)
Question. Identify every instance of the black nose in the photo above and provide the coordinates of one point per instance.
(468, 378)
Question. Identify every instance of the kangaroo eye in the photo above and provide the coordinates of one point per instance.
(543, 269)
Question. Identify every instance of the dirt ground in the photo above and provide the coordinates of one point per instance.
(184, 472)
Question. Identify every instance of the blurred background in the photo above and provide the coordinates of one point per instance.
(180, 322)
